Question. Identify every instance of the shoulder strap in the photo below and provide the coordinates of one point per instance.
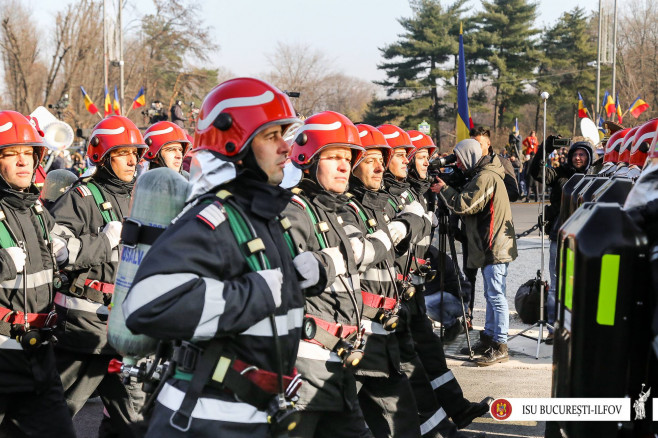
(370, 223)
(319, 228)
(104, 206)
(6, 241)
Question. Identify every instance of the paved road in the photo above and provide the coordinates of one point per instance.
(522, 376)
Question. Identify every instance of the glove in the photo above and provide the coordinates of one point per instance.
(60, 250)
(433, 219)
(308, 269)
(337, 259)
(113, 233)
(274, 280)
(18, 256)
(397, 230)
(414, 208)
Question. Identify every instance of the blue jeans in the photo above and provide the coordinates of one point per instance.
(550, 299)
(497, 316)
(451, 308)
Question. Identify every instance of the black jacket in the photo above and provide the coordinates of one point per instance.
(82, 323)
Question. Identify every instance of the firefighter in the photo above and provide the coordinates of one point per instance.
(168, 144)
(90, 215)
(233, 303)
(31, 387)
(326, 147)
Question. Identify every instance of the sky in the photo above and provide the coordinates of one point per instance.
(348, 32)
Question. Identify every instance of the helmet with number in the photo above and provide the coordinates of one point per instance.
(235, 111)
(421, 141)
(322, 131)
(626, 143)
(612, 146)
(644, 138)
(18, 130)
(372, 138)
(114, 132)
(162, 133)
(396, 137)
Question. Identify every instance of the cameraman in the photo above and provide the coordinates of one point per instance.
(485, 210)
(177, 115)
(579, 159)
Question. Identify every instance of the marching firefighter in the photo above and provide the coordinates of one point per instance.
(233, 305)
(90, 215)
(385, 396)
(31, 387)
(168, 144)
(326, 147)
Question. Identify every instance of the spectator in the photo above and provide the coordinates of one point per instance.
(177, 115)
(530, 144)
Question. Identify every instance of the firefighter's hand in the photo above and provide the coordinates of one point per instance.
(113, 233)
(60, 250)
(337, 258)
(397, 230)
(274, 280)
(308, 269)
(18, 256)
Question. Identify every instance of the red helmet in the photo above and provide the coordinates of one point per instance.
(235, 111)
(644, 137)
(625, 149)
(612, 146)
(372, 138)
(396, 137)
(321, 131)
(114, 132)
(163, 133)
(421, 141)
(18, 130)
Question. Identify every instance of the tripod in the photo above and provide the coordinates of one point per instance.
(540, 273)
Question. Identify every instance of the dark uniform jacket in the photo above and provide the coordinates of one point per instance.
(19, 370)
(82, 323)
(195, 285)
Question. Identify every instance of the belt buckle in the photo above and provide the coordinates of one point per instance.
(187, 358)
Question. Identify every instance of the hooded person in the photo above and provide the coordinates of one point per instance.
(90, 215)
(234, 303)
(168, 144)
(579, 159)
(485, 210)
(29, 254)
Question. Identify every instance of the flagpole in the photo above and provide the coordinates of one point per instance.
(598, 63)
(121, 57)
(614, 50)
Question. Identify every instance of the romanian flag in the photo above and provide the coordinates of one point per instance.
(609, 104)
(582, 110)
(139, 100)
(117, 106)
(88, 103)
(516, 126)
(638, 107)
(620, 117)
(464, 123)
(107, 108)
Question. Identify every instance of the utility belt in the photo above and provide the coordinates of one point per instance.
(247, 383)
(37, 332)
(93, 290)
(345, 340)
(381, 309)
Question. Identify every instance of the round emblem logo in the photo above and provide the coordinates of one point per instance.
(501, 409)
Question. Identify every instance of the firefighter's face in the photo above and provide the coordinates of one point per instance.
(124, 162)
(371, 169)
(422, 159)
(271, 152)
(334, 169)
(17, 166)
(172, 156)
(398, 163)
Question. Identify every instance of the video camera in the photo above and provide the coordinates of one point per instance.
(445, 169)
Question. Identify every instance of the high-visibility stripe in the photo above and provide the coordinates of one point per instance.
(213, 309)
(7, 343)
(381, 236)
(433, 421)
(212, 409)
(33, 280)
(284, 324)
(442, 379)
(152, 288)
(308, 350)
(351, 230)
(81, 304)
(607, 304)
(379, 275)
(369, 253)
(568, 281)
(73, 245)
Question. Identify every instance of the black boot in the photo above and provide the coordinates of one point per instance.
(482, 345)
(495, 354)
(471, 412)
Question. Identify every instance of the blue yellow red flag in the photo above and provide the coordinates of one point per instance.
(87, 101)
(140, 99)
(620, 116)
(582, 109)
(638, 107)
(609, 105)
(463, 114)
(107, 108)
(116, 105)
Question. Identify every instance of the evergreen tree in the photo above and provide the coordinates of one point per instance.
(511, 52)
